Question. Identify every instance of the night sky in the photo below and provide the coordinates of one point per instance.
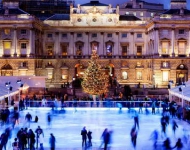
(115, 2)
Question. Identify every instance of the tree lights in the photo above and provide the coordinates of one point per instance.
(95, 81)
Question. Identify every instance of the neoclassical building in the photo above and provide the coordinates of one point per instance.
(150, 50)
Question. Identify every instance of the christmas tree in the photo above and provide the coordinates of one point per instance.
(95, 81)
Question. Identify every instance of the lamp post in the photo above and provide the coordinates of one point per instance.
(73, 86)
(9, 88)
(181, 90)
(19, 82)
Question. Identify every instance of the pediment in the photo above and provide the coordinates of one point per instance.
(94, 10)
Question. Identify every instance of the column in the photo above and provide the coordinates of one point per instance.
(57, 44)
(156, 42)
(173, 37)
(116, 45)
(145, 44)
(71, 45)
(188, 53)
(15, 42)
(131, 45)
(101, 45)
(30, 44)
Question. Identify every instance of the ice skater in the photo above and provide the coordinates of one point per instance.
(28, 119)
(154, 137)
(134, 136)
(52, 141)
(178, 145)
(89, 134)
(136, 120)
(174, 126)
(84, 136)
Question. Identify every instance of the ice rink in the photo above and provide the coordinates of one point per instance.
(67, 128)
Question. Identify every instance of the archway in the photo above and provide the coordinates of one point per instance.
(7, 70)
(181, 74)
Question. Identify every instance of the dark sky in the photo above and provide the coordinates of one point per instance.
(115, 2)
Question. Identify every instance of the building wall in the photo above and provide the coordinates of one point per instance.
(145, 52)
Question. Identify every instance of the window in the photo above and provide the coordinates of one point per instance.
(141, 14)
(139, 50)
(139, 35)
(124, 75)
(94, 35)
(165, 64)
(79, 47)
(50, 50)
(7, 44)
(49, 35)
(152, 14)
(64, 49)
(95, 46)
(124, 35)
(181, 48)
(23, 46)
(165, 32)
(127, 13)
(165, 46)
(109, 35)
(181, 31)
(64, 35)
(124, 50)
(165, 76)
(50, 74)
(79, 35)
(7, 31)
(139, 75)
(23, 32)
(109, 48)
(134, 13)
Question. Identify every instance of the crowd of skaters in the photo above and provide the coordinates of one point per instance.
(26, 138)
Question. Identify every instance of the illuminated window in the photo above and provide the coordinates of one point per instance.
(79, 50)
(95, 46)
(124, 50)
(152, 14)
(141, 14)
(124, 75)
(127, 13)
(134, 13)
(165, 64)
(139, 75)
(7, 31)
(139, 50)
(50, 74)
(64, 49)
(109, 49)
(50, 50)
(7, 44)
(181, 48)
(165, 76)
(165, 46)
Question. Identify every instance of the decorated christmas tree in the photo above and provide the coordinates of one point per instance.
(95, 81)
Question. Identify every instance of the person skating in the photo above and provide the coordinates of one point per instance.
(178, 145)
(84, 136)
(89, 134)
(134, 136)
(28, 119)
(52, 141)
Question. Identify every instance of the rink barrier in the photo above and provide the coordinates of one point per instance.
(118, 104)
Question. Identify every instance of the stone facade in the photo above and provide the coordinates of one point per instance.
(150, 52)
